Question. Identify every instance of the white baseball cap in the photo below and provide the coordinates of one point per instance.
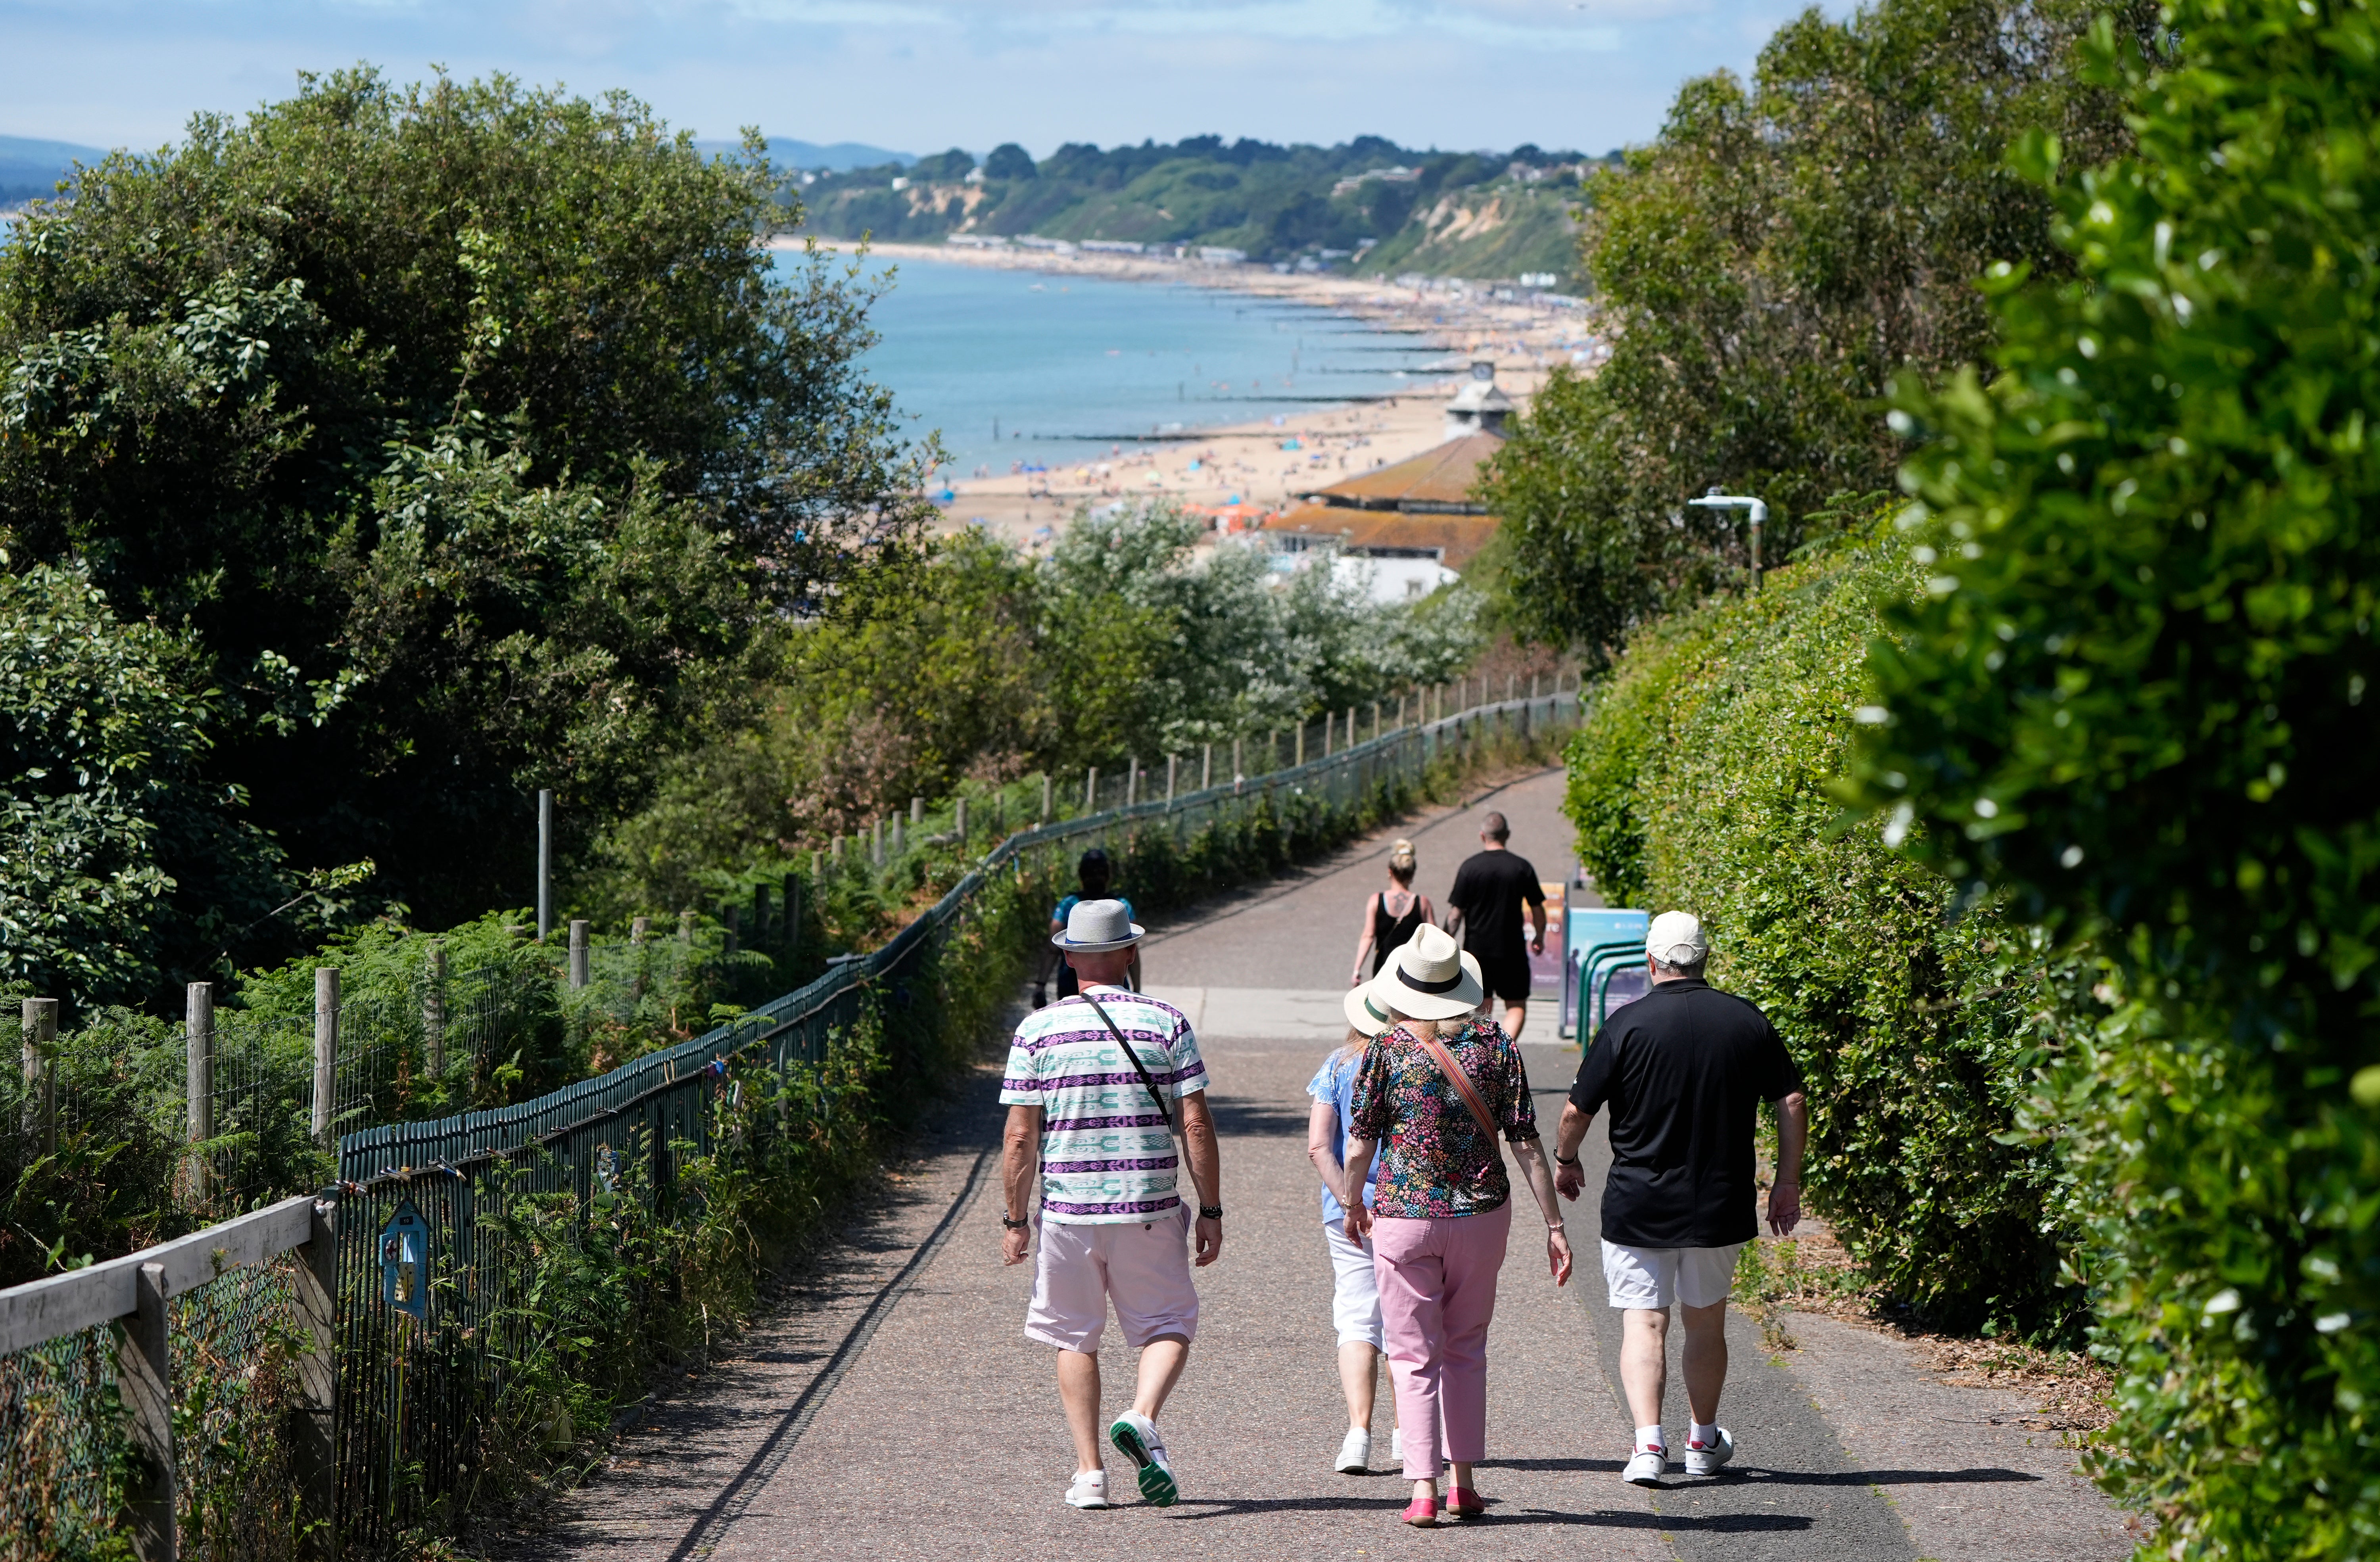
(1676, 940)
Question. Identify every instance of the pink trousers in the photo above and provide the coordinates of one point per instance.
(1437, 1293)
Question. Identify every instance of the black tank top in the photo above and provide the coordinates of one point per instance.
(1389, 933)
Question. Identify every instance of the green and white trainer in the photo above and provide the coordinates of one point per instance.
(1136, 1438)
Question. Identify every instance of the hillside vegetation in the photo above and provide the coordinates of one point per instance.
(1367, 205)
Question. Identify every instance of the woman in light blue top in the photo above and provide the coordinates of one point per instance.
(1356, 1294)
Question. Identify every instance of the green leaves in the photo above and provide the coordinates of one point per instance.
(2151, 660)
(251, 384)
(1768, 265)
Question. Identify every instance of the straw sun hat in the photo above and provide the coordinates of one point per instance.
(1431, 978)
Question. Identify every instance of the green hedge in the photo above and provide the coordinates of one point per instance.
(1702, 780)
(2136, 695)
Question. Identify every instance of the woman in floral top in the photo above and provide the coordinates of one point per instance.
(1441, 1206)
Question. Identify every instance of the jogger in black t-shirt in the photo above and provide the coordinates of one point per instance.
(1684, 1069)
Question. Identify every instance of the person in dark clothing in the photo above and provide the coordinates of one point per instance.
(1095, 873)
(1391, 916)
(1490, 887)
(1684, 1069)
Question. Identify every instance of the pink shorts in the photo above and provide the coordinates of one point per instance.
(1143, 1268)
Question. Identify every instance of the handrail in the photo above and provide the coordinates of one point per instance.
(41, 1310)
(374, 1152)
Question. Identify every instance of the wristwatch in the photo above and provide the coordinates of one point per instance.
(1560, 1159)
(1007, 1224)
(1210, 1212)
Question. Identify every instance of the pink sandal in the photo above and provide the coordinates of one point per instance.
(1461, 1502)
(1421, 1513)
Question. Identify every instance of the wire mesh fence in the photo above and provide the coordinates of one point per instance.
(443, 1346)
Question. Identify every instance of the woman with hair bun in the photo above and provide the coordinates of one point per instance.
(1391, 916)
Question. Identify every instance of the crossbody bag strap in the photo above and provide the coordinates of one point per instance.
(1164, 1109)
(1462, 1083)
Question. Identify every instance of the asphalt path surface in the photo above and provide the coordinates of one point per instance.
(894, 1408)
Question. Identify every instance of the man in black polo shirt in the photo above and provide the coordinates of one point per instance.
(1683, 1069)
(1490, 887)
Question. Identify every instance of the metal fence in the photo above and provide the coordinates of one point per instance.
(437, 1267)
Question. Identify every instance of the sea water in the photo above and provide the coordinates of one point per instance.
(1017, 367)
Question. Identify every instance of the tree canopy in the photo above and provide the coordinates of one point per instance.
(463, 434)
(1766, 266)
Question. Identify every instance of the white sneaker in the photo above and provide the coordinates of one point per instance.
(1354, 1453)
(1089, 1490)
(1648, 1467)
(1701, 1460)
(1136, 1438)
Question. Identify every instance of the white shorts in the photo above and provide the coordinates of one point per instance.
(1656, 1278)
(1355, 1289)
(1143, 1268)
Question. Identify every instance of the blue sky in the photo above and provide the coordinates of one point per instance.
(918, 75)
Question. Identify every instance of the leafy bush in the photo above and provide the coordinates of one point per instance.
(2135, 695)
(968, 661)
(466, 433)
(119, 865)
(1702, 782)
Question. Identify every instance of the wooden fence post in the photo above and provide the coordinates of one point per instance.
(316, 1460)
(900, 839)
(579, 957)
(144, 1377)
(734, 917)
(686, 923)
(198, 1081)
(1132, 781)
(1206, 766)
(40, 1023)
(434, 1010)
(639, 930)
(326, 1053)
(1172, 763)
(545, 864)
(1044, 796)
(958, 824)
(916, 810)
(876, 847)
(793, 905)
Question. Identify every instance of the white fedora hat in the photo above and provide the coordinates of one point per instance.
(1429, 978)
(1363, 1010)
(1094, 927)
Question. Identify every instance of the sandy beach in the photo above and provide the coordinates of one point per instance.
(1264, 464)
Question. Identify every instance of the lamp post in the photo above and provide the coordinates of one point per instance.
(1714, 499)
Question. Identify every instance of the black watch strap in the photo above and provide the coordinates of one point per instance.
(1015, 1224)
(1560, 1159)
(1210, 1212)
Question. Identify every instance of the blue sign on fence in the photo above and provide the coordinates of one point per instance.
(404, 1261)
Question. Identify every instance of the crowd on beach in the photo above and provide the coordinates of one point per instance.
(1409, 1121)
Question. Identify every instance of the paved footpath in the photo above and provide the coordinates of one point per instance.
(894, 1410)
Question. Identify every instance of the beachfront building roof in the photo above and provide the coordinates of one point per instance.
(1417, 521)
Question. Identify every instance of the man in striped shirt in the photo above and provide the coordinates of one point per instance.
(1095, 1085)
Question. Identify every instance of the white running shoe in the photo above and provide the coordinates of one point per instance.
(1701, 1460)
(1136, 1438)
(1648, 1467)
(1354, 1453)
(1089, 1490)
